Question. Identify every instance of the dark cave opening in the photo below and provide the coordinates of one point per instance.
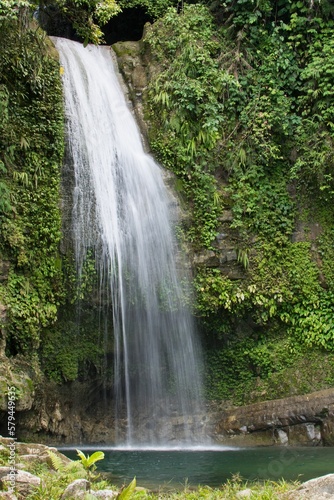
(126, 26)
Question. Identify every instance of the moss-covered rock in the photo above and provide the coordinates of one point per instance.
(18, 377)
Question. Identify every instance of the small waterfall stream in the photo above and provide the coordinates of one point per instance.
(121, 213)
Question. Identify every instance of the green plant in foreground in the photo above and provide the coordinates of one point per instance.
(89, 461)
(128, 492)
(56, 478)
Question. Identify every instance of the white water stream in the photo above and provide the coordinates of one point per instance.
(121, 213)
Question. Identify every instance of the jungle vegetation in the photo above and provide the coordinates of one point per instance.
(241, 109)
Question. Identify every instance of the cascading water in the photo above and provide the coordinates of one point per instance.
(121, 213)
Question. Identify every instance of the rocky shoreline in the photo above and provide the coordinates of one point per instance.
(18, 483)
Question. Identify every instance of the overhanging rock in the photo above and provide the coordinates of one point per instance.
(296, 420)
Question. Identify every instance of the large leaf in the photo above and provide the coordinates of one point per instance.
(88, 461)
(97, 455)
(127, 493)
(82, 457)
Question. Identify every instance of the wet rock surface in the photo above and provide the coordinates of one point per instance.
(298, 420)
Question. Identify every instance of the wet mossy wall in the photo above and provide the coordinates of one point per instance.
(41, 300)
(239, 106)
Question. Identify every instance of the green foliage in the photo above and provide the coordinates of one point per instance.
(187, 99)
(215, 291)
(89, 461)
(154, 8)
(282, 276)
(278, 277)
(228, 376)
(313, 322)
(55, 478)
(251, 103)
(262, 205)
(69, 352)
(325, 246)
(31, 149)
(262, 364)
(56, 461)
(87, 16)
(314, 165)
(262, 324)
(4, 456)
(128, 492)
(9, 9)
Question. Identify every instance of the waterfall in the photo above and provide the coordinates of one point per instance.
(121, 212)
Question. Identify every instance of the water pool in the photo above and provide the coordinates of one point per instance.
(212, 467)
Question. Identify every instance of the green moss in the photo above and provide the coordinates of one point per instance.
(249, 110)
(31, 149)
(185, 109)
(12, 375)
(73, 350)
(247, 105)
(126, 49)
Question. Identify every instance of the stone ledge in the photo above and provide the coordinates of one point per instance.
(306, 420)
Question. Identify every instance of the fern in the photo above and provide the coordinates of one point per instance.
(56, 461)
(75, 470)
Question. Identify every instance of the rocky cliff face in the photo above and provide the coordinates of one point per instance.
(74, 412)
(135, 68)
(300, 420)
(138, 68)
(296, 420)
(77, 413)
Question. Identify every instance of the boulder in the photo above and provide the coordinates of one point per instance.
(76, 490)
(4, 471)
(106, 494)
(320, 488)
(23, 482)
(206, 258)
